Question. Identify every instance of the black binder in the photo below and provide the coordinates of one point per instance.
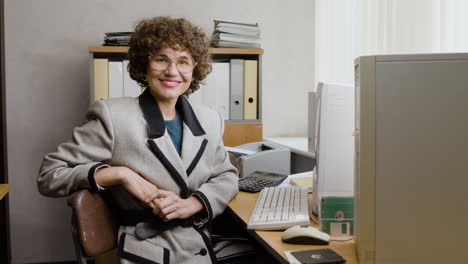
(318, 256)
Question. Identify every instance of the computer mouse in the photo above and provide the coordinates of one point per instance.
(305, 236)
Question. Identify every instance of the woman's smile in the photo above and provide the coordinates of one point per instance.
(169, 83)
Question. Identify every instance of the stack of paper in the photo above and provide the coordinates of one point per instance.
(235, 35)
(117, 38)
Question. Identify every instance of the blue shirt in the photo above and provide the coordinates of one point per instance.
(174, 128)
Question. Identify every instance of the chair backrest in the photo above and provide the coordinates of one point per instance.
(96, 228)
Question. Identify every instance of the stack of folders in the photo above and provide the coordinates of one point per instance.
(117, 38)
(231, 89)
(235, 35)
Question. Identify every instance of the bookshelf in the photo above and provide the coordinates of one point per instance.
(237, 131)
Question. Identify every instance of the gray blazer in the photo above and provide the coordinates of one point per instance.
(131, 132)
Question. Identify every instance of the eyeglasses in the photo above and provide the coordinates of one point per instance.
(161, 63)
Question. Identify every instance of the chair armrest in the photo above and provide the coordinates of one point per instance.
(97, 227)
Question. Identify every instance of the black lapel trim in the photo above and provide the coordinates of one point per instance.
(166, 256)
(208, 245)
(155, 119)
(92, 172)
(121, 243)
(167, 164)
(197, 157)
(206, 202)
(189, 116)
(152, 114)
(132, 257)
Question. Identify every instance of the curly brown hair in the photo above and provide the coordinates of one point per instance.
(156, 33)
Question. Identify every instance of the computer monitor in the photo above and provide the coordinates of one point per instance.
(312, 121)
(334, 143)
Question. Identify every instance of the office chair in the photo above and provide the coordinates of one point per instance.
(94, 229)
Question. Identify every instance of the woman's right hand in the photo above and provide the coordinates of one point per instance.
(130, 180)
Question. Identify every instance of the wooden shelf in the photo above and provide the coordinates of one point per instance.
(124, 49)
(4, 188)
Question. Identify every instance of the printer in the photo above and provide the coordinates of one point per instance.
(262, 156)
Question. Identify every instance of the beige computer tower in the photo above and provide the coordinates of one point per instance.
(411, 169)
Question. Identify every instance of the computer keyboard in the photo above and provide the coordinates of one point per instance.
(279, 208)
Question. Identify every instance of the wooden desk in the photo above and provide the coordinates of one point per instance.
(242, 206)
(4, 188)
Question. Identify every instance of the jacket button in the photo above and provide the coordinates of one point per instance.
(203, 252)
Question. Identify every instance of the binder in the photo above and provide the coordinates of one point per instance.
(222, 85)
(214, 92)
(209, 88)
(116, 87)
(131, 87)
(101, 79)
(236, 103)
(316, 256)
(250, 89)
(216, 88)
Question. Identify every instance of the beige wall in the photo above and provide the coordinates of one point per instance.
(47, 88)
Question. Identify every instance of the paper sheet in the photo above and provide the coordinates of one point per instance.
(301, 175)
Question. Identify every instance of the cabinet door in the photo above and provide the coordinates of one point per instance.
(236, 134)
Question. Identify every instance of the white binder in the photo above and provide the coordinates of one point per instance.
(116, 81)
(131, 87)
(215, 91)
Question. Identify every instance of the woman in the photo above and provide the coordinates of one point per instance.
(162, 159)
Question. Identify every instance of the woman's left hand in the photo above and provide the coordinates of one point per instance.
(171, 206)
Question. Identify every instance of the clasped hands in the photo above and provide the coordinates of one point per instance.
(169, 205)
(165, 204)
